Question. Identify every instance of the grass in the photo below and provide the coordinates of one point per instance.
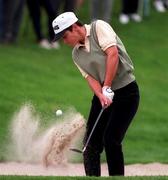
(49, 80)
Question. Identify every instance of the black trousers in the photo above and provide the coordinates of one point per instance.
(12, 17)
(110, 131)
(1, 19)
(68, 5)
(129, 6)
(34, 7)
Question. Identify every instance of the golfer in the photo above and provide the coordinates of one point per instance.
(103, 61)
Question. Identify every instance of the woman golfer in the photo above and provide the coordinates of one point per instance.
(102, 59)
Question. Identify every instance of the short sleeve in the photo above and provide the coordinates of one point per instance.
(105, 34)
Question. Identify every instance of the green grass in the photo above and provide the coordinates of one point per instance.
(81, 178)
(49, 80)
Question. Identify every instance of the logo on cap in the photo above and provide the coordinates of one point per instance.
(56, 27)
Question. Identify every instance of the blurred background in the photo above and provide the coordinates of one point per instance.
(33, 69)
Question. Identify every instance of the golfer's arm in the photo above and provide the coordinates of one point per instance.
(94, 85)
(111, 65)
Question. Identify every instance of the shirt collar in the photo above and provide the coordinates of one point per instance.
(87, 27)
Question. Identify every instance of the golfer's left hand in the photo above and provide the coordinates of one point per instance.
(107, 91)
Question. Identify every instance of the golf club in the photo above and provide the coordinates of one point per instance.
(90, 135)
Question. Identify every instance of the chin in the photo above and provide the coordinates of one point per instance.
(73, 45)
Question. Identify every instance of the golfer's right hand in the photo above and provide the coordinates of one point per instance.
(105, 101)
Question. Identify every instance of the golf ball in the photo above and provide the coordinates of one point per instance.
(58, 112)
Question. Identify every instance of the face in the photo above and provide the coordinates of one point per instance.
(73, 37)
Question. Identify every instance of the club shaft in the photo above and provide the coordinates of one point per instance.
(90, 135)
(76, 150)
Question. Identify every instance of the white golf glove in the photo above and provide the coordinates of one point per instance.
(107, 91)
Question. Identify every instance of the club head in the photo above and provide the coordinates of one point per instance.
(76, 150)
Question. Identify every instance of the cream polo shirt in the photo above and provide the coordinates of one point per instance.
(106, 38)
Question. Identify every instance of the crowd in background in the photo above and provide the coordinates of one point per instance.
(11, 13)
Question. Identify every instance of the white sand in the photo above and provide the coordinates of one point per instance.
(14, 168)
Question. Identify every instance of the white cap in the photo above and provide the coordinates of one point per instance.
(62, 22)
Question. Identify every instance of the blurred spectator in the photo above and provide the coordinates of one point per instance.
(52, 8)
(1, 19)
(13, 12)
(64, 5)
(166, 4)
(68, 5)
(101, 10)
(144, 8)
(161, 5)
(129, 11)
(34, 7)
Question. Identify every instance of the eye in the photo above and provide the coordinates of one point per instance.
(65, 36)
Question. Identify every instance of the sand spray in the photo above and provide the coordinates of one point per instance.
(51, 146)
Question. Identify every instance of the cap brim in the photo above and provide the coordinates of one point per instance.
(59, 36)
